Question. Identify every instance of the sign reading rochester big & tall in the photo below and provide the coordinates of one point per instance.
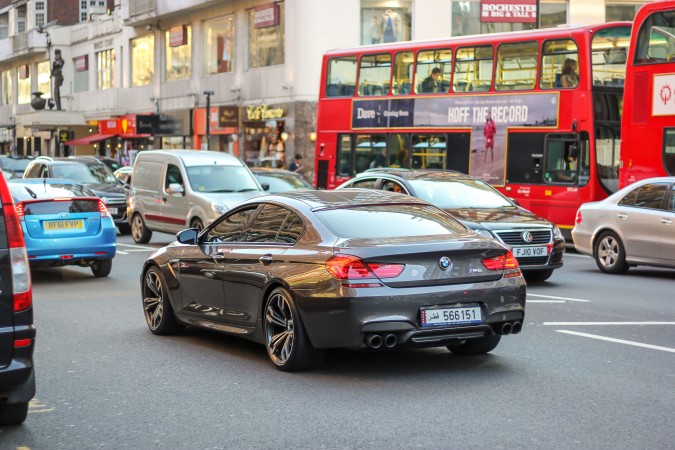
(520, 11)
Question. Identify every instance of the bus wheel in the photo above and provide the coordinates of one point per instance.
(609, 253)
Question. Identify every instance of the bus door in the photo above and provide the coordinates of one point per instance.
(458, 152)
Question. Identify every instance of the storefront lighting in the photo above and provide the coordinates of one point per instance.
(312, 136)
(95, 145)
(284, 136)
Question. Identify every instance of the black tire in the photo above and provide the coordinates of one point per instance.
(476, 346)
(13, 414)
(139, 231)
(157, 307)
(124, 228)
(537, 276)
(286, 341)
(609, 253)
(101, 268)
(197, 224)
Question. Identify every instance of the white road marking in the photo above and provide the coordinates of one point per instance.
(576, 255)
(569, 299)
(137, 246)
(619, 341)
(573, 324)
(120, 252)
(546, 301)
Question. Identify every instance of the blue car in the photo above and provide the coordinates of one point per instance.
(64, 223)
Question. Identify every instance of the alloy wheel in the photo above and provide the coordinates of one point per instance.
(608, 251)
(153, 300)
(137, 227)
(280, 330)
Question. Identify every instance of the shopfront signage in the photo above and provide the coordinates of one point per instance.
(6, 134)
(520, 11)
(106, 43)
(24, 71)
(64, 135)
(82, 63)
(266, 16)
(178, 36)
(228, 116)
(170, 124)
(264, 112)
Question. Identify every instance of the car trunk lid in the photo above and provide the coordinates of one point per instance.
(54, 218)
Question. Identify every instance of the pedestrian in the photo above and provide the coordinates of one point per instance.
(296, 165)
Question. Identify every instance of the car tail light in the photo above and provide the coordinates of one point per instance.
(19, 210)
(19, 343)
(348, 267)
(386, 270)
(102, 209)
(508, 263)
(577, 219)
(23, 294)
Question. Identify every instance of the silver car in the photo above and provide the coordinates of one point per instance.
(631, 227)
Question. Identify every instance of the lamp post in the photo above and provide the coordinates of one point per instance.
(208, 117)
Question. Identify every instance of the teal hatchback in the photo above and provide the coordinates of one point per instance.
(64, 223)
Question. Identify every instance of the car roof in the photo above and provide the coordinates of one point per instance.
(191, 157)
(344, 198)
(408, 174)
(89, 160)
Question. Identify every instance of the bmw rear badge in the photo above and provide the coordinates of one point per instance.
(445, 263)
(527, 237)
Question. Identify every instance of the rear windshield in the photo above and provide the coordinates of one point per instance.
(33, 191)
(62, 206)
(387, 221)
(15, 165)
(459, 194)
(217, 179)
(84, 173)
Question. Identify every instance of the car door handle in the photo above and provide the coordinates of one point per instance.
(220, 253)
(622, 216)
(265, 260)
(666, 221)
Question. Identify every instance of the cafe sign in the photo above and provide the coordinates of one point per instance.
(82, 63)
(266, 16)
(228, 117)
(264, 112)
(518, 11)
(178, 36)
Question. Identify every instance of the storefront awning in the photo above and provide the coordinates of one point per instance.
(88, 140)
(134, 136)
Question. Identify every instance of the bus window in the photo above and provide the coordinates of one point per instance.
(562, 159)
(609, 50)
(517, 66)
(341, 79)
(553, 59)
(428, 151)
(371, 152)
(428, 62)
(669, 150)
(656, 40)
(607, 145)
(398, 149)
(473, 69)
(344, 155)
(374, 74)
(403, 69)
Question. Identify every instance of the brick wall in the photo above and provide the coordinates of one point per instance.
(67, 12)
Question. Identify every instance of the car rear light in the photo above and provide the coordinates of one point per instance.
(19, 210)
(508, 263)
(386, 270)
(102, 209)
(348, 267)
(577, 219)
(23, 294)
(18, 343)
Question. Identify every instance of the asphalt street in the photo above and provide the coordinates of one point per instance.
(593, 368)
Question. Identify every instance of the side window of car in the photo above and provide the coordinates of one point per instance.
(266, 225)
(671, 203)
(291, 230)
(393, 186)
(651, 196)
(173, 175)
(45, 172)
(34, 171)
(368, 183)
(231, 227)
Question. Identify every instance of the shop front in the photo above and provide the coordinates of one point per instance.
(223, 129)
(170, 130)
(265, 135)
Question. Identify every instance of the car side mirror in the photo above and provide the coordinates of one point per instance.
(175, 188)
(188, 236)
(265, 186)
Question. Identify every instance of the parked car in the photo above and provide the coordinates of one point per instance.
(280, 180)
(305, 271)
(15, 164)
(17, 332)
(64, 223)
(175, 189)
(92, 173)
(632, 227)
(537, 243)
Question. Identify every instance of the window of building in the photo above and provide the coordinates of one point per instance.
(341, 79)
(4, 26)
(428, 62)
(374, 74)
(618, 10)
(473, 69)
(23, 85)
(553, 60)
(219, 45)
(21, 19)
(404, 63)
(466, 18)
(7, 88)
(178, 52)
(105, 69)
(142, 60)
(266, 40)
(39, 13)
(81, 73)
(385, 21)
(517, 66)
(44, 84)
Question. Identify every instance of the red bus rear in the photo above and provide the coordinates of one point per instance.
(555, 142)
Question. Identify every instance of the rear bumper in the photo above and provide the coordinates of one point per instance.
(17, 380)
(101, 246)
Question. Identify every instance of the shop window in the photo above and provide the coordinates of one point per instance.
(473, 69)
(105, 69)
(178, 52)
(23, 85)
(553, 59)
(44, 84)
(142, 60)
(403, 71)
(374, 74)
(4, 26)
(341, 79)
(621, 10)
(517, 66)
(390, 23)
(81, 73)
(428, 64)
(429, 151)
(219, 45)
(266, 40)
(7, 88)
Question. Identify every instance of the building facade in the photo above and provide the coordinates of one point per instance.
(138, 74)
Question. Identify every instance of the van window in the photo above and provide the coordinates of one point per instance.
(148, 175)
(173, 175)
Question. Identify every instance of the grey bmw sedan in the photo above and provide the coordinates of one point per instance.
(306, 271)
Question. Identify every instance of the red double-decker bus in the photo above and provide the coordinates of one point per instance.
(648, 123)
(554, 95)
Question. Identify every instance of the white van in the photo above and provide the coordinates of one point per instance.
(176, 189)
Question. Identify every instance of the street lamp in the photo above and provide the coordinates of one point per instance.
(208, 117)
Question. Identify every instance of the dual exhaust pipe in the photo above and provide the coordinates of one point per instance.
(511, 328)
(377, 341)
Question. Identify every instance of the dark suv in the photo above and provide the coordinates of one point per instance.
(91, 172)
(17, 333)
(537, 244)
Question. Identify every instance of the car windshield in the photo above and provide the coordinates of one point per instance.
(456, 194)
(15, 165)
(219, 179)
(283, 182)
(84, 173)
(389, 221)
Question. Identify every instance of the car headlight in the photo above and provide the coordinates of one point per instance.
(484, 233)
(557, 234)
(218, 208)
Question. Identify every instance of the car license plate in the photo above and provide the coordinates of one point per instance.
(113, 211)
(55, 225)
(527, 252)
(432, 317)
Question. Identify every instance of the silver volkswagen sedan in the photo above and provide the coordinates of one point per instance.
(632, 227)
